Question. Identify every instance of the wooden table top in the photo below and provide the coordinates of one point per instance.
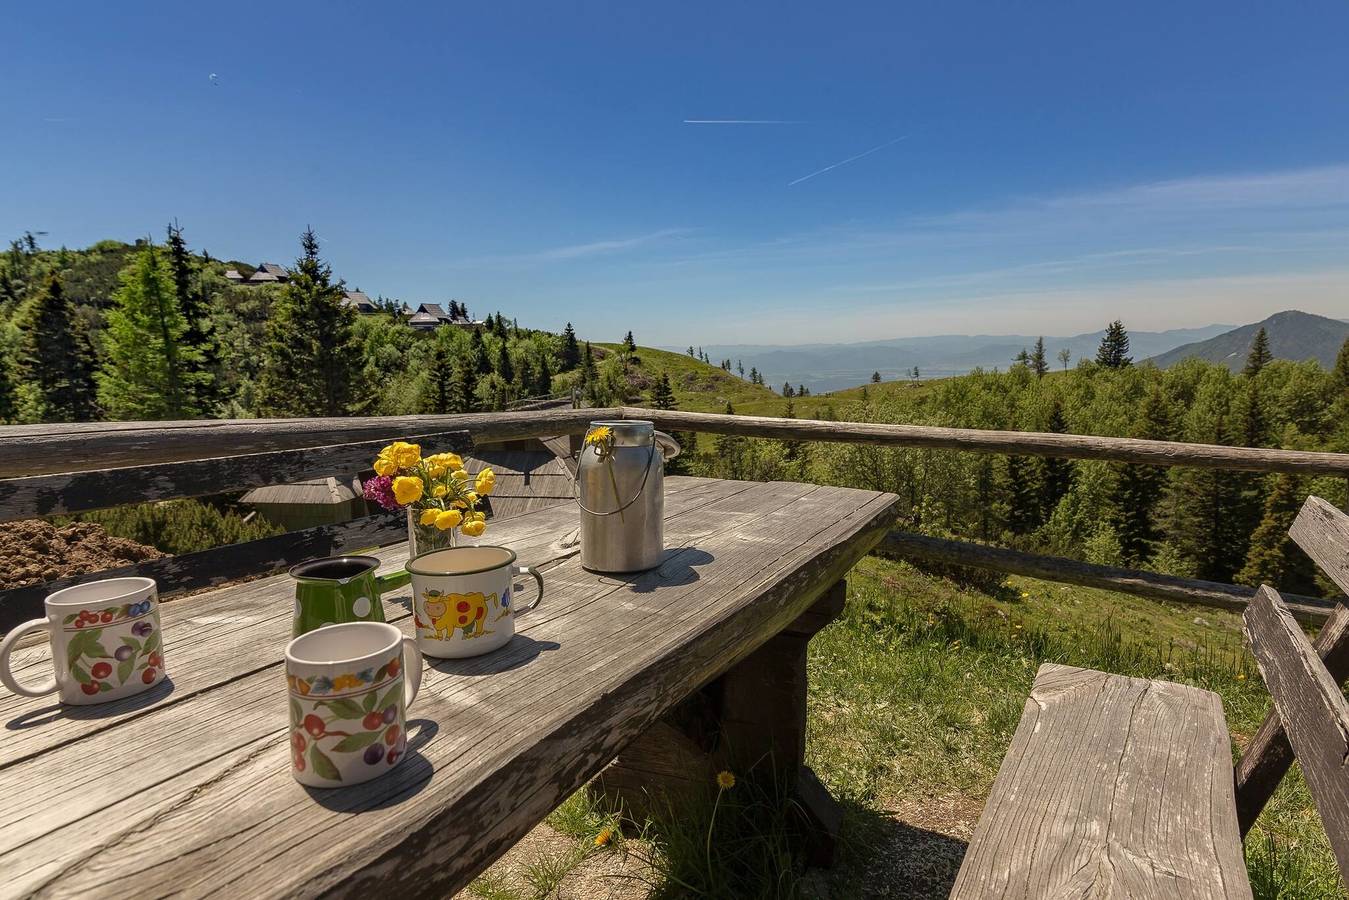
(187, 789)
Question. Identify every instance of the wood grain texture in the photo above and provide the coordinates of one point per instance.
(1312, 708)
(1070, 446)
(1112, 787)
(1153, 585)
(496, 741)
(1268, 756)
(50, 495)
(46, 449)
(1322, 531)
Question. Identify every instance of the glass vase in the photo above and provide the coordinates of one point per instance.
(422, 538)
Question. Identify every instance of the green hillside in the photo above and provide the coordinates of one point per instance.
(698, 387)
(1292, 335)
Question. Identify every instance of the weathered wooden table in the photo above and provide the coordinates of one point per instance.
(187, 789)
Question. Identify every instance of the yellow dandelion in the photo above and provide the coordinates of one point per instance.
(1241, 676)
(598, 435)
(725, 780)
(604, 837)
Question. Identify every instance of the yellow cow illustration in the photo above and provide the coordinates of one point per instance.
(447, 612)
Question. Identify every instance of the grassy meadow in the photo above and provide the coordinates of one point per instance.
(914, 694)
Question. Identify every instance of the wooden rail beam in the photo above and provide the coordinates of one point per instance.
(1234, 597)
(79, 447)
(1027, 443)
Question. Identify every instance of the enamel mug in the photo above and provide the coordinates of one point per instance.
(461, 599)
(349, 689)
(105, 639)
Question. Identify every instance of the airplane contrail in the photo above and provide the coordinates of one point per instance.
(743, 122)
(848, 160)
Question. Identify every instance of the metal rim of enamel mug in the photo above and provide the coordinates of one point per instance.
(508, 551)
(297, 571)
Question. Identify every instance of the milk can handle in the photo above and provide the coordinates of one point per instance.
(650, 459)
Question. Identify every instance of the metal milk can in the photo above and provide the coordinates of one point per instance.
(620, 482)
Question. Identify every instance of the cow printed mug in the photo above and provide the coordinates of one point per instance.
(461, 599)
(105, 639)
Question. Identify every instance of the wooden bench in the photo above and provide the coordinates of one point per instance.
(1124, 787)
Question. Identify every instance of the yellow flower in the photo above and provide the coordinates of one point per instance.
(446, 461)
(725, 780)
(439, 490)
(407, 489)
(405, 454)
(1241, 676)
(458, 504)
(474, 528)
(434, 470)
(428, 516)
(471, 497)
(484, 487)
(604, 837)
(448, 519)
(385, 466)
(342, 682)
(598, 435)
(459, 475)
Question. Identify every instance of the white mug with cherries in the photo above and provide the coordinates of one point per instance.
(105, 641)
(350, 686)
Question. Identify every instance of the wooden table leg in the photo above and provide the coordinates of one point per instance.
(751, 720)
(763, 722)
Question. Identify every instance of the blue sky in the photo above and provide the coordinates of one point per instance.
(1027, 167)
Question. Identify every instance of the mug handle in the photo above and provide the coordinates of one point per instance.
(413, 670)
(7, 677)
(526, 570)
(392, 580)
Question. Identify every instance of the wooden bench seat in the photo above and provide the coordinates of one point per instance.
(1112, 787)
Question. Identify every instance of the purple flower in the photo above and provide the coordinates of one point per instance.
(380, 490)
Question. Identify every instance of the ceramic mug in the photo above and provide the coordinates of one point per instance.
(349, 688)
(339, 589)
(105, 639)
(461, 599)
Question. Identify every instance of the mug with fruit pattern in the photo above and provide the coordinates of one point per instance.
(105, 640)
(350, 686)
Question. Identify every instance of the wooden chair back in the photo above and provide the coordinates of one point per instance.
(1310, 719)
(63, 494)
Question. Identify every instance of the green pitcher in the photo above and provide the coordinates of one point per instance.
(340, 589)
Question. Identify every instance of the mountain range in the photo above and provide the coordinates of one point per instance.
(826, 367)
(1292, 334)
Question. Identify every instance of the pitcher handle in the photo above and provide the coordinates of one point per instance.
(526, 570)
(392, 580)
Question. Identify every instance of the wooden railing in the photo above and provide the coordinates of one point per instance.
(57, 469)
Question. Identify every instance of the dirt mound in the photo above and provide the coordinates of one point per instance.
(33, 551)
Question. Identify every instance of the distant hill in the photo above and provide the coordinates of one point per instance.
(828, 367)
(1293, 335)
(697, 386)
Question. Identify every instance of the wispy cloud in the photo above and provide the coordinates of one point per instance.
(570, 252)
(850, 159)
(744, 122)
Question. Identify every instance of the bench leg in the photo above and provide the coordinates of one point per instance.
(763, 722)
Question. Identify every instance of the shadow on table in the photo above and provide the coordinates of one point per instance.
(93, 711)
(408, 779)
(679, 567)
(520, 651)
(885, 856)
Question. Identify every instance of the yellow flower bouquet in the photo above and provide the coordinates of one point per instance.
(441, 497)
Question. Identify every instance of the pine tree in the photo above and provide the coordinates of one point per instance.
(791, 449)
(740, 364)
(463, 386)
(1038, 364)
(629, 344)
(477, 355)
(198, 334)
(312, 361)
(875, 377)
(1022, 358)
(503, 366)
(9, 398)
(662, 395)
(56, 359)
(436, 394)
(1274, 558)
(148, 373)
(1055, 475)
(1020, 496)
(691, 353)
(1339, 375)
(1114, 350)
(802, 391)
(589, 372)
(1259, 356)
(1138, 488)
(571, 351)
(730, 452)
(544, 382)
(787, 390)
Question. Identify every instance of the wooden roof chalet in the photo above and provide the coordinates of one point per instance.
(363, 304)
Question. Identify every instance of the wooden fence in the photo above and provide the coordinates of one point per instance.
(59, 469)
